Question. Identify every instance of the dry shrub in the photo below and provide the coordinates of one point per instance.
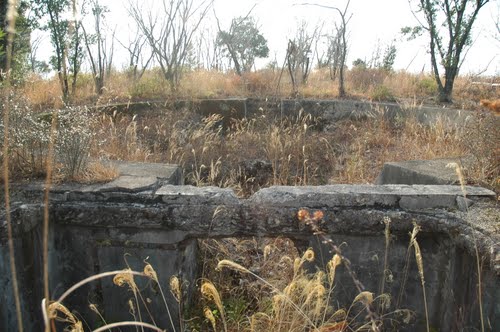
(119, 139)
(369, 144)
(97, 172)
(481, 140)
(29, 137)
(31, 133)
(361, 79)
(211, 84)
(42, 93)
(260, 83)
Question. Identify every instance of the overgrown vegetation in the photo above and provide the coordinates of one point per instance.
(42, 116)
(265, 150)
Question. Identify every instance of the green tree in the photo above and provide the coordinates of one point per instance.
(21, 42)
(359, 63)
(389, 57)
(243, 43)
(448, 24)
(66, 37)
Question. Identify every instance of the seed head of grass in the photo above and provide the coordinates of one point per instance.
(231, 265)
(267, 251)
(460, 175)
(125, 278)
(278, 301)
(93, 307)
(332, 267)
(297, 264)
(175, 288)
(286, 260)
(387, 222)
(131, 307)
(210, 317)
(339, 314)
(150, 272)
(308, 255)
(67, 317)
(415, 231)
(290, 289)
(364, 297)
(315, 292)
(420, 263)
(385, 300)
(211, 293)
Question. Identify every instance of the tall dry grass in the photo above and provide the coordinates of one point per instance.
(282, 152)
(361, 83)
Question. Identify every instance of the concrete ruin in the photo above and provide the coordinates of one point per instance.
(329, 111)
(147, 215)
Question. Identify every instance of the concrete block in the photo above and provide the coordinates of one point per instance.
(137, 177)
(419, 172)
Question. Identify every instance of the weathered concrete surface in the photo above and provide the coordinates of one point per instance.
(231, 108)
(329, 111)
(406, 197)
(433, 171)
(95, 231)
(136, 177)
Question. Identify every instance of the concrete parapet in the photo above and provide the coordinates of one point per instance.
(93, 230)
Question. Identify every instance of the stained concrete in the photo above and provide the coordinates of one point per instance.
(97, 230)
(328, 110)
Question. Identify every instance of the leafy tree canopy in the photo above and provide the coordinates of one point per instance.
(243, 43)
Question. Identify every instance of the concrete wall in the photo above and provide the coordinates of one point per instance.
(329, 111)
(94, 229)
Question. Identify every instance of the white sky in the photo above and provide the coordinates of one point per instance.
(372, 21)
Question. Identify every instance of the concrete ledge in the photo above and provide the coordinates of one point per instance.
(390, 196)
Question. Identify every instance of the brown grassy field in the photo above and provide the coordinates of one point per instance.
(294, 152)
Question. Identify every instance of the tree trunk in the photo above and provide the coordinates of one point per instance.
(445, 92)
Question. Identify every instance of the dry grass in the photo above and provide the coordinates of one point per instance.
(265, 285)
(201, 83)
(290, 152)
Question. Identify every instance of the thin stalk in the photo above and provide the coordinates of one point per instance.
(420, 265)
(11, 17)
(387, 236)
(48, 183)
(95, 277)
(166, 305)
(129, 323)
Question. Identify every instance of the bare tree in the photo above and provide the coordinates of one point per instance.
(36, 65)
(169, 31)
(333, 53)
(138, 63)
(208, 52)
(100, 56)
(342, 32)
(299, 54)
